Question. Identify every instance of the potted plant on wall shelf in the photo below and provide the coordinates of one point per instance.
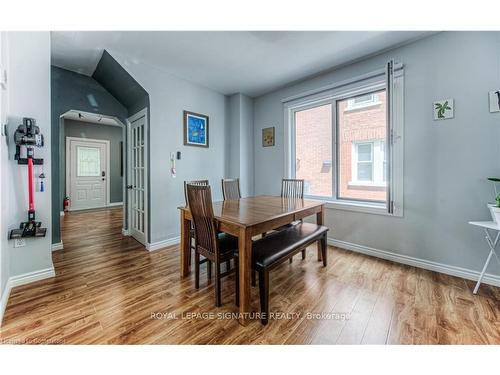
(495, 207)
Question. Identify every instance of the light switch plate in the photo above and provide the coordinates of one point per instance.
(3, 78)
(19, 242)
(494, 100)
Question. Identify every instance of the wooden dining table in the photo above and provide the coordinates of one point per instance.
(246, 218)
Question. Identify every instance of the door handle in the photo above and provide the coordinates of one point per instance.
(103, 173)
(129, 187)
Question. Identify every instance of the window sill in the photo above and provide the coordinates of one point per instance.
(367, 208)
(355, 206)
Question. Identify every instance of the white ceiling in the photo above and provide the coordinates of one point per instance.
(250, 62)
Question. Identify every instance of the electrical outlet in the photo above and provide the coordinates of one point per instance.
(19, 242)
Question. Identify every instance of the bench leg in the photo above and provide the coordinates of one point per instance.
(237, 279)
(324, 251)
(217, 285)
(209, 272)
(303, 254)
(290, 260)
(196, 270)
(264, 295)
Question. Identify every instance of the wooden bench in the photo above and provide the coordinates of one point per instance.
(277, 247)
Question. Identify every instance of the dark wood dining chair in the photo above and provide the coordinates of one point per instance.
(292, 188)
(231, 188)
(191, 230)
(213, 246)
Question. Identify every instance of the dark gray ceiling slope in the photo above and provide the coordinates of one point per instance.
(115, 79)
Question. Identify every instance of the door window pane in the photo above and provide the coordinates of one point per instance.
(88, 161)
(360, 147)
(313, 149)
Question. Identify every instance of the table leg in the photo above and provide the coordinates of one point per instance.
(320, 220)
(245, 259)
(185, 245)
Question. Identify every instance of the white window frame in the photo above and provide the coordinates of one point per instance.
(366, 83)
(352, 105)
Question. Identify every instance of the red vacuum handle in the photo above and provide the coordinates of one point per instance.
(30, 185)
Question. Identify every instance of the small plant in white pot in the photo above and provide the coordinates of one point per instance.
(495, 207)
(495, 210)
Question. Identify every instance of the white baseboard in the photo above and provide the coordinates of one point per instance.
(19, 280)
(162, 244)
(115, 204)
(416, 262)
(125, 232)
(4, 300)
(31, 277)
(57, 246)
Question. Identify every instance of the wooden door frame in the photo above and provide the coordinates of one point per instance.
(141, 113)
(68, 166)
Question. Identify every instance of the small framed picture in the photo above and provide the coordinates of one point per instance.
(444, 109)
(268, 137)
(195, 129)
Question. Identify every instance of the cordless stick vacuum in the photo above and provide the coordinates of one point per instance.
(28, 135)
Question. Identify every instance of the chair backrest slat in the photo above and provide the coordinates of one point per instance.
(292, 188)
(231, 189)
(199, 198)
(194, 182)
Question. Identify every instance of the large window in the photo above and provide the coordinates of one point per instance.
(339, 143)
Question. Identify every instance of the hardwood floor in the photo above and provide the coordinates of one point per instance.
(109, 289)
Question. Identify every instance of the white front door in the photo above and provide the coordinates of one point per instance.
(87, 168)
(137, 182)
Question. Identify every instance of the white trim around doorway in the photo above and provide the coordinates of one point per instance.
(127, 231)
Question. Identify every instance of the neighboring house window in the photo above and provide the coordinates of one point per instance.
(362, 101)
(339, 142)
(369, 164)
(363, 170)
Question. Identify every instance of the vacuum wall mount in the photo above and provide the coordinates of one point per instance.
(28, 135)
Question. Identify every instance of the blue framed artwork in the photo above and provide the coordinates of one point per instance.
(195, 129)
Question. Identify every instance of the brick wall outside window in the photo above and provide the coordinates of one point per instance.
(313, 147)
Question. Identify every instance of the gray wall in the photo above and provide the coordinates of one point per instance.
(28, 66)
(239, 144)
(111, 133)
(71, 90)
(169, 96)
(445, 162)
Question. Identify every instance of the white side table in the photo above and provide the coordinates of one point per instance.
(486, 225)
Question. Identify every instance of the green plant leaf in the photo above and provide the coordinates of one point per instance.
(494, 179)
